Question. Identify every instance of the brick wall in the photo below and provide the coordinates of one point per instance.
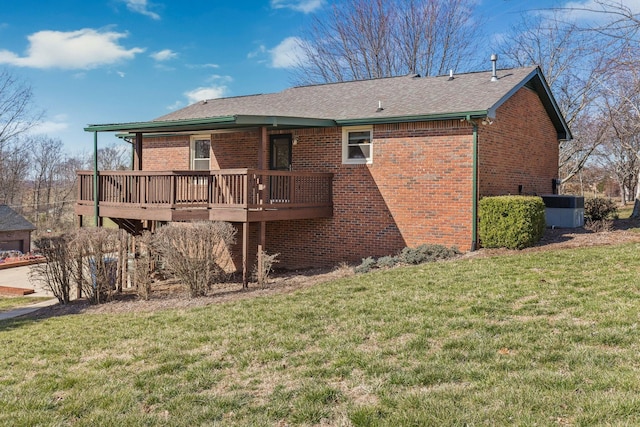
(519, 149)
(166, 153)
(418, 189)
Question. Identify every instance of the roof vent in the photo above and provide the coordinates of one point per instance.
(379, 107)
(494, 60)
(451, 75)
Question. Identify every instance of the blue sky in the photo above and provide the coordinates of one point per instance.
(112, 61)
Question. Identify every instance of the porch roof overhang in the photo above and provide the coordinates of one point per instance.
(212, 123)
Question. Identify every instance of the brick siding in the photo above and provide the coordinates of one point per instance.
(519, 149)
(417, 190)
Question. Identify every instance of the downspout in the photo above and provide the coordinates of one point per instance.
(96, 211)
(474, 208)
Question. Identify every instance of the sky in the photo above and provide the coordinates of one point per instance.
(115, 61)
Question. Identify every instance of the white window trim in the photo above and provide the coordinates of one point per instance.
(345, 145)
(192, 150)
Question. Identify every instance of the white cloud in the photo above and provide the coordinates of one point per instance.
(288, 53)
(121, 73)
(164, 55)
(50, 127)
(590, 10)
(141, 6)
(218, 77)
(82, 49)
(206, 92)
(203, 66)
(259, 51)
(304, 6)
(175, 105)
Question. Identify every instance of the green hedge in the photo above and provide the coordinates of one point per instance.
(513, 222)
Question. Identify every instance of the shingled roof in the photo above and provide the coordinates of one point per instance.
(404, 98)
(10, 220)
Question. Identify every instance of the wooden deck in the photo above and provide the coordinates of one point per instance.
(235, 195)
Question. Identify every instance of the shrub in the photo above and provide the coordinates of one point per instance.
(418, 255)
(98, 249)
(387, 261)
(57, 274)
(426, 253)
(513, 222)
(143, 265)
(264, 267)
(366, 265)
(599, 208)
(196, 253)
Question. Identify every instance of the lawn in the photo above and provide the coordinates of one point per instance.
(544, 338)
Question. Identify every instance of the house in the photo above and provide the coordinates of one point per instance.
(337, 172)
(15, 231)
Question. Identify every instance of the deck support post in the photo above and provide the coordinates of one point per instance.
(96, 203)
(262, 152)
(245, 254)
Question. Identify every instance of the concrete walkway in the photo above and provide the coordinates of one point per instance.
(18, 277)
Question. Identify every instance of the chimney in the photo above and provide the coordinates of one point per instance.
(494, 60)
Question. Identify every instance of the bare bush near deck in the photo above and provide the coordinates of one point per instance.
(99, 249)
(143, 265)
(264, 267)
(196, 253)
(58, 273)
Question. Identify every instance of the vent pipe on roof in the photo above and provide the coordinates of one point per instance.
(494, 60)
(450, 74)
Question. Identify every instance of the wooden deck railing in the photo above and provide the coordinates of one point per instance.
(229, 188)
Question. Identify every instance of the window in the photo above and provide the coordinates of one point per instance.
(200, 152)
(357, 145)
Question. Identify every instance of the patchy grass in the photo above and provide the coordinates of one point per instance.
(9, 303)
(624, 212)
(546, 338)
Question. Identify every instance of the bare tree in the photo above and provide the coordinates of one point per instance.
(17, 116)
(363, 39)
(614, 19)
(574, 63)
(113, 157)
(46, 159)
(15, 161)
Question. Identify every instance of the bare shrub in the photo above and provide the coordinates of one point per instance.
(98, 248)
(143, 264)
(58, 273)
(196, 253)
(599, 226)
(264, 267)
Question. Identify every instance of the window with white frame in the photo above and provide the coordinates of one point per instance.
(200, 152)
(357, 145)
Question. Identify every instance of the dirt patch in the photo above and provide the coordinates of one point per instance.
(169, 294)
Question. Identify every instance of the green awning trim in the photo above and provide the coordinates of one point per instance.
(420, 118)
(211, 123)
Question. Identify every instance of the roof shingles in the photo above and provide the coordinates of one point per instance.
(400, 97)
(10, 220)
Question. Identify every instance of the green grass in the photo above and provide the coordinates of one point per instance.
(8, 303)
(547, 338)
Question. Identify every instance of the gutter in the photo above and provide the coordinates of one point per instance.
(474, 208)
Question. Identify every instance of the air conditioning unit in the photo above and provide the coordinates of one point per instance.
(564, 211)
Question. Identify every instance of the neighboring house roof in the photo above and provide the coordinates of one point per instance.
(10, 220)
(404, 98)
